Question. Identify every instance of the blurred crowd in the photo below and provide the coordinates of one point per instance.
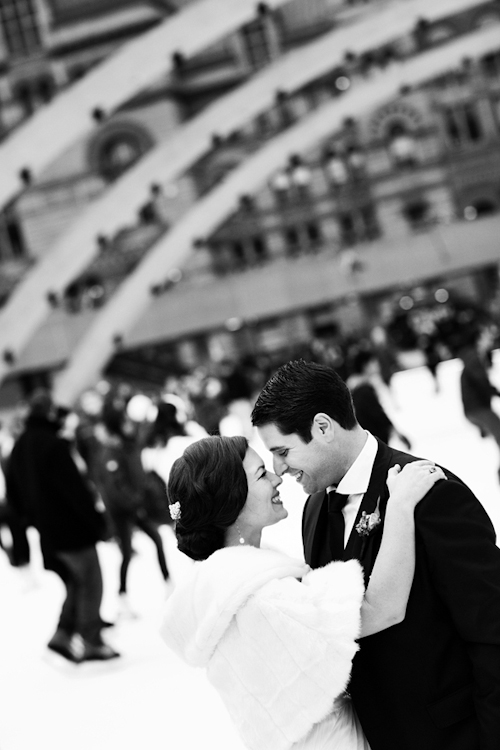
(98, 471)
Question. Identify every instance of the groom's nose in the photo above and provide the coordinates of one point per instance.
(279, 465)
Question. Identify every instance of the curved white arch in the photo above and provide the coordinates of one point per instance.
(133, 297)
(123, 74)
(37, 142)
(72, 253)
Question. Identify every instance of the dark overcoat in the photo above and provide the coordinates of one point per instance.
(48, 491)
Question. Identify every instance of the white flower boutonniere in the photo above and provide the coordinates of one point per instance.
(368, 521)
(175, 511)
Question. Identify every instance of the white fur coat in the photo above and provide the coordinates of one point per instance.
(278, 649)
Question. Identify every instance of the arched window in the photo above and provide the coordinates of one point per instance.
(402, 145)
(116, 147)
(119, 154)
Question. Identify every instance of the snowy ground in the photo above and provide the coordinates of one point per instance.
(148, 698)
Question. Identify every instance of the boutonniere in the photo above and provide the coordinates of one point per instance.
(367, 523)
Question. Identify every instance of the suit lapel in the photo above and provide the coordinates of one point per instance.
(360, 547)
(315, 516)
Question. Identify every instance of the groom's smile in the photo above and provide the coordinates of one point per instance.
(307, 463)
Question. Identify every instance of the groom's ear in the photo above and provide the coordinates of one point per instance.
(323, 427)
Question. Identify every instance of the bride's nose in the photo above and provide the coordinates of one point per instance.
(277, 480)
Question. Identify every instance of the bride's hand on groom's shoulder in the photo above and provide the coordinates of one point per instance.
(411, 483)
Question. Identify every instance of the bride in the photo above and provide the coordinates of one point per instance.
(277, 638)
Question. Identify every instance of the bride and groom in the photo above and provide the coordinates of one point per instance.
(425, 674)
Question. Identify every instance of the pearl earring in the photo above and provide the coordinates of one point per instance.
(241, 539)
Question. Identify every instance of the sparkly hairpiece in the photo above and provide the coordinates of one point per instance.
(175, 511)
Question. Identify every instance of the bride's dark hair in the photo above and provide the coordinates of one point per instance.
(210, 485)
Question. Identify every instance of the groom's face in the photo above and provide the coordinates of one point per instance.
(309, 463)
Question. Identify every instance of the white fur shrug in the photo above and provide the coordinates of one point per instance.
(278, 649)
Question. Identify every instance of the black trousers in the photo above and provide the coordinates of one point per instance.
(82, 577)
(124, 524)
(18, 550)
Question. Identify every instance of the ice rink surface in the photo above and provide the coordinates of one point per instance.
(148, 699)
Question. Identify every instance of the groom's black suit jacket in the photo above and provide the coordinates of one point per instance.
(433, 681)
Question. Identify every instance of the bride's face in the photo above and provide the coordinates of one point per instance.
(263, 506)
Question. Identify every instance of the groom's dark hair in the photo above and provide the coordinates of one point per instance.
(297, 392)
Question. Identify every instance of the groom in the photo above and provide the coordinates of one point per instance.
(433, 681)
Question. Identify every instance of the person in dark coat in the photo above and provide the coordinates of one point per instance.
(365, 370)
(47, 491)
(475, 386)
(433, 680)
(16, 544)
(123, 485)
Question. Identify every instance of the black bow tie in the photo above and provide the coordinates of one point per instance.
(336, 502)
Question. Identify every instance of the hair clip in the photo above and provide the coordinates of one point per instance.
(175, 511)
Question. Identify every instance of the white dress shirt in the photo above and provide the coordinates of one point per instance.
(355, 483)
